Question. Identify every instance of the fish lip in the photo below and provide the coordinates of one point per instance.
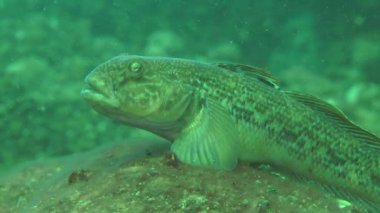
(96, 93)
(98, 100)
(94, 86)
(89, 93)
(86, 90)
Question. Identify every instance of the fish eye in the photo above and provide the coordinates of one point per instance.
(135, 67)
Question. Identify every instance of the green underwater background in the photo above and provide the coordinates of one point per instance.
(330, 49)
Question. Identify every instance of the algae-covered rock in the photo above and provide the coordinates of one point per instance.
(140, 176)
(164, 43)
(226, 51)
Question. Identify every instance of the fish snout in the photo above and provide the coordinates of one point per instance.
(96, 86)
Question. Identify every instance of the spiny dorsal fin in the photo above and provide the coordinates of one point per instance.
(337, 116)
(255, 72)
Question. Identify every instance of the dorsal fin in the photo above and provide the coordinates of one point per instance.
(338, 117)
(255, 72)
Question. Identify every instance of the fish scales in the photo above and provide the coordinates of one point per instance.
(299, 139)
(217, 114)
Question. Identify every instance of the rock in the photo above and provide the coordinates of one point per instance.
(227, 51)
(137, 176)
(162, 43)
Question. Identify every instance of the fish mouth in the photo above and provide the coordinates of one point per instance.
(89, 93)
(97, 94)
(93, 87)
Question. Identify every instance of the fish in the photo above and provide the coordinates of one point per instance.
(218, 114)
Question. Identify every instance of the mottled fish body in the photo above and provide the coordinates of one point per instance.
(219, 114)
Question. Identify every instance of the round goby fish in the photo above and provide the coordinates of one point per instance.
(218, 114)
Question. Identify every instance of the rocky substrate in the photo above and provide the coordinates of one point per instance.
(141, 176)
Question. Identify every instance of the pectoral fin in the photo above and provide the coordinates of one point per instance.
(210, 140)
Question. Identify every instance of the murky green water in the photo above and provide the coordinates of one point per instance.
(330, 49)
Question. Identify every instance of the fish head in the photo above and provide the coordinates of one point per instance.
(135, 91)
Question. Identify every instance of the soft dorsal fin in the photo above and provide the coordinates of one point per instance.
(255, 72)
(338, 117)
